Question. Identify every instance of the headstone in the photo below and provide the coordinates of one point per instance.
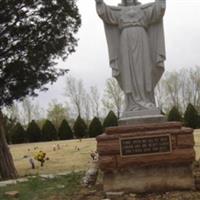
(58, 146)
(150, 157)
(114, 194)
(12, 194)
(31, 161)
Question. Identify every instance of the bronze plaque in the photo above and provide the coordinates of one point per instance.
(148, 145)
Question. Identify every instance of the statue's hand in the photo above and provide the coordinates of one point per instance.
(161, 1)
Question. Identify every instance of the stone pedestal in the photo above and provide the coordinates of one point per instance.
(143, 119)
(143, 116)
(147, 157)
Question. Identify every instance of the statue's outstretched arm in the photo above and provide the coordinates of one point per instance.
(162, 5)
(108, 14)
(161, 1)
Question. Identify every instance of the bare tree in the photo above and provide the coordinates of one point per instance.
(86, 109)
(168, 91)
(113, 98)
(29, 111)
(12, 112)
(95, 100)
(195, 77)
(184, 88)
(172, 87)
(160, 95)
(75, 91)
(25, 111)
(179, 88)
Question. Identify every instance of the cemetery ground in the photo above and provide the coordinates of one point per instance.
(63, 156)
(73, 157)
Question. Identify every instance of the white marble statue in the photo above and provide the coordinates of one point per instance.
(135, 38)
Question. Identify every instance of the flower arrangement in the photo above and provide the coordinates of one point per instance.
(40, 156)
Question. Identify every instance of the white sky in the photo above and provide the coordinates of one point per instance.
(90, 61)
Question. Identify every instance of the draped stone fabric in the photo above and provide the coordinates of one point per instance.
(135, 39)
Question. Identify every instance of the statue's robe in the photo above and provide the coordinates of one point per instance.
(135, 39)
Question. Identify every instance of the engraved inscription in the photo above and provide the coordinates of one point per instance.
(145, 145)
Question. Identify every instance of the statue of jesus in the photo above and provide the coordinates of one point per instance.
(135, 38)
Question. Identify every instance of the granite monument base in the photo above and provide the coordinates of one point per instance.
(147, 157)
(150, 179)
(143, 116)
(144, 119)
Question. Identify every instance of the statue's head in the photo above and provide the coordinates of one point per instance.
(130, 2)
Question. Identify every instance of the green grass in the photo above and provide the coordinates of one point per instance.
(46, 189)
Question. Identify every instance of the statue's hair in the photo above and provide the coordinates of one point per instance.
(123, 3)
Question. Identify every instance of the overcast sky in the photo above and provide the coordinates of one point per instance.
(90, 61)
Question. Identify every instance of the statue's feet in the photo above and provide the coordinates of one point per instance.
(140, 106)
(133, 107)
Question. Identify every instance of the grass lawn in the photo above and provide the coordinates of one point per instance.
(67, 158)
(62, 187)
(197, 143)
(69, 188)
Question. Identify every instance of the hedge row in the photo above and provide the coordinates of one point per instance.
(190, 118)
(49, 133)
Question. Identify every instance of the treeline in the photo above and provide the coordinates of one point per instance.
(48, 132)
(178, 89)
(177, 95)
(34, 132)
(190, 117)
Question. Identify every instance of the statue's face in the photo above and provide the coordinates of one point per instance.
(129, 2)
